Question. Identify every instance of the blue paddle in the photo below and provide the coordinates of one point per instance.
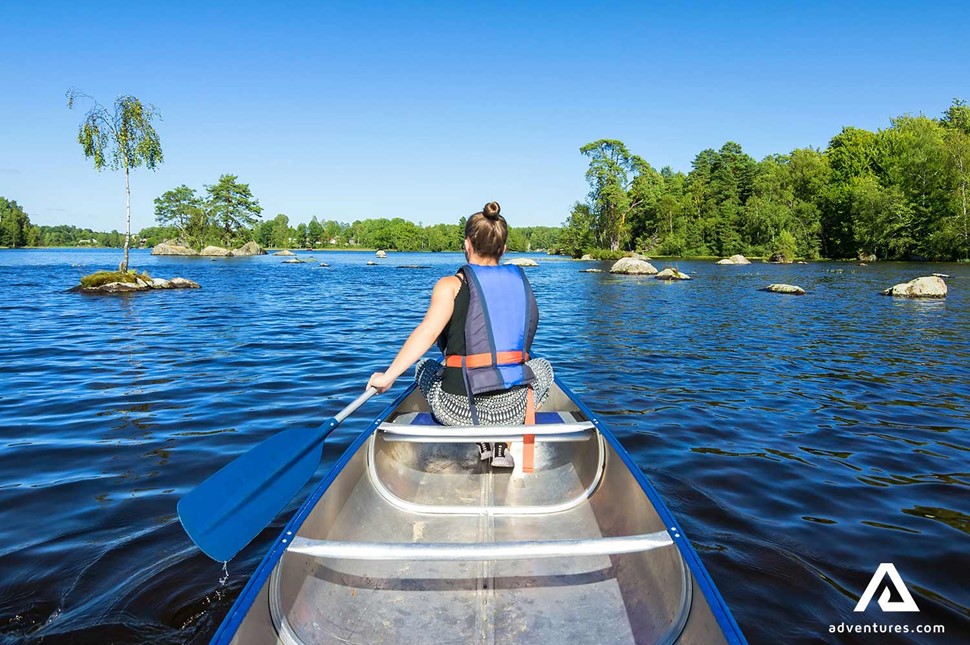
(226, 511)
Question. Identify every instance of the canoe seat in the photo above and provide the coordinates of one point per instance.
(425, 419)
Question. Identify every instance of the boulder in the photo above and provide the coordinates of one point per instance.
(926, 287)
(672, 274)
(633, 266)
(293, 261)
(284, 252)
(324, 264)
(371, 263)
(161, 283)
(587, 257)
(249, 248)
(215, 252)
(171, 247)
(381, 254)
(522, 262)
(182, 283)
(941, 275)
(591, 270)
(866, 257)
(779, 258)
(734, 259)
(115, 287)
(785, 288)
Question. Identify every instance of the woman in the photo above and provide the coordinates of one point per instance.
(484, 319)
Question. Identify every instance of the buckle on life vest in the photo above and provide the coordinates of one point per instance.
(485, 360)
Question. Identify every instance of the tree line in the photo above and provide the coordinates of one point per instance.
(897, 193)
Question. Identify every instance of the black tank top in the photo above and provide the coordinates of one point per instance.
(454, 342)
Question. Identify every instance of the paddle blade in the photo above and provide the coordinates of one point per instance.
(226, 511)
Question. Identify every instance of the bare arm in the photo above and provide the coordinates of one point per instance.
(424, 335)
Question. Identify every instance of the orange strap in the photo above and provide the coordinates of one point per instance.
(485, 360)
(529, 440)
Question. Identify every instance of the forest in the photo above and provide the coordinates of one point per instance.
(896, 193)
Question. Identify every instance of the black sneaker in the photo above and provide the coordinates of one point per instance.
(484, 450)
(501, 458)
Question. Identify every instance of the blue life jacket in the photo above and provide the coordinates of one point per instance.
(499, 328)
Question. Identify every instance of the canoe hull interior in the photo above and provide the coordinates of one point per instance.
(401, 492)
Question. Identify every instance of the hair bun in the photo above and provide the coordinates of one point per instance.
(491, 210)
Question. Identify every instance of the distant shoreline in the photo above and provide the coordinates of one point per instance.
(698, 258)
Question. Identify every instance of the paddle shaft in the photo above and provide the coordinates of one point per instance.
(356, 403)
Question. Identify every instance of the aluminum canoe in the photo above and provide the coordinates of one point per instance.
(411, 538)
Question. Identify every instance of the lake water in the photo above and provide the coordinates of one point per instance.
(800, 441)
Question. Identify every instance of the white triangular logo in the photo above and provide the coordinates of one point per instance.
(906, 604)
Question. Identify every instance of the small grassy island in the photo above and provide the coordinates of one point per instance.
(128, 281)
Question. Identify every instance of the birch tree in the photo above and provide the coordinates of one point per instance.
(120, 139)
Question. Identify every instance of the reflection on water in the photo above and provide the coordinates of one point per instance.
(800, 441)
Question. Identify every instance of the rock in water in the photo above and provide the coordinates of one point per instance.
(587, 257)
(215, 252)
(171, 247)
(734, 259)
(381, 254)
(522, 262)
(785, 288)
(249, 248)
(926, 287)
(591, 270)
(633, 266)
(182, 283)
(371, 263)
(284, 252)
(866, 257)
(672, 274)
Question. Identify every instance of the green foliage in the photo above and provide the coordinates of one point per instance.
(231, 207)
(14, 224)
(608, 254)
(785, 247)
(121, 139)
(105, 277)
(153, 235)
(183, 210)
(66, 235)
(902, 192)
(577, 234)
(614, 191)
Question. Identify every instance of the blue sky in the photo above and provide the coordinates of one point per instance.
(428, 110)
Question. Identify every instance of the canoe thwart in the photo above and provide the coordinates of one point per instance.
(478, 551)
(465, 434)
